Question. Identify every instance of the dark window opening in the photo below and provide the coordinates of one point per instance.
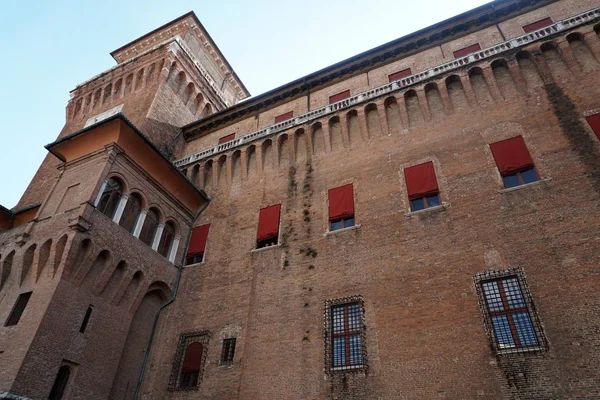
(86, 319)
(194, 260)
(150, 225)
(166, 241)
(109, 201)
(520, 178)
(228, 351)
(60, 383)
(424, 202)
(346, 328)
(18, 309)
(509, 314)
(341, 224)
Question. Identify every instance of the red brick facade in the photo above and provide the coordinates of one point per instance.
(485, 289)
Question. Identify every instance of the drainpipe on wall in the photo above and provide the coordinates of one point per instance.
(168, 303)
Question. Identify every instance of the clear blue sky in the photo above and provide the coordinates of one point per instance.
(49, 46)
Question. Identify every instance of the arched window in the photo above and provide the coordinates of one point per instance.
(190, 371)
(109, 201)
(149, 227)
(131, 212)
(166, 241)
(60, 383)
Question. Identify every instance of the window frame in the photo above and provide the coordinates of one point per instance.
(330, 335)
(499, 276)
(11, 320)
(186, 339)
(228, 351)
(520, 179)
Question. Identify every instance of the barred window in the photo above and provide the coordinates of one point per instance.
(509, 312)
(345, 340)
(190, 358)
(228, 351)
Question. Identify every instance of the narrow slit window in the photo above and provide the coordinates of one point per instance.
(228, 351)
(421, 182)
(195, 253)
(268, 227)
(60, 383)
(341, 207)
(514, 162)
(18, 309)
(86, 319)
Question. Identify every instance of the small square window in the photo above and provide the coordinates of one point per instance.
(228, 351)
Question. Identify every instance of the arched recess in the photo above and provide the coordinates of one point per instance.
(434, 100)
(118, 88)
(88, 103)
(150, 73)
(197, 103)
(107, 94)
(27, 262)
(78, 105)
(6, 268)
(480, 86)
(150, 225)
(139, 79)
(373, 123)
(236, 166)
(392, 114)
(114, 282)
(353, 127)
(222, 170)
(267, 153)
(582, 52)
(128, 84)
(195, 174)
(207, 172)
(60, 383)
(133, 286)
(528, 69)
(189, 92)
(137, 341)
(318, 138)
(43, 258)
(58, 253)
(207, 110)
(83, 251)
(131, 213)
(251, 163)
(555, 62)
(109, 201)
(284, 150)
(301, 146)
(167, 238)
(504, 80)
(335, 133)
(179, 82)
(97, 98)
(457, 95)
(101, 262)
(413, 107)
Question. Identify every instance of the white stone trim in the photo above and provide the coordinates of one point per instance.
(173, 249)
(157, 236)
(140, 223)
(100, 193)
(120, 208)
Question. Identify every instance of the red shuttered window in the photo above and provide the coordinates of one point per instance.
(421, 183)
(594, 121)
(538, 25)
(268, 226)
(190, 371)
(400, 74)
(195, 253)
(341, 207)
(339, 97)
(467, 50)
(284, 117)
(227, 138)
(514, 162)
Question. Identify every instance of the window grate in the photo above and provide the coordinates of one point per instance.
(188, 376)
(228, 351)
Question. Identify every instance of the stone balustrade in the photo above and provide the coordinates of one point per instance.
(400, 84)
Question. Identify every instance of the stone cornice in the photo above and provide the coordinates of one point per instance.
(401, 84)
(435, 35)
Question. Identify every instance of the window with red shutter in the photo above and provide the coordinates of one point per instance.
(192, 362)
(538, 25)
(195, 253)
(341, 207)
(594, 122)
(467, 50)
(421, 183)
(268, 226)
(227, 138)
(399, 75)
(284, 117)
(339, 97)
(514, 162)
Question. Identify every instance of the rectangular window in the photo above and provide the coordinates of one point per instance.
(467, 50)
(228, 351)
(268, 226)
(19, 307)
(188, 366)
(345, 336)
(195, 252)
(227, 138)
(514, 162)
(594, 122)
(341, 207)
(284, 117)
(422, 187)
(509, 311)
(339, 97)
(86, 319)
(399, 75)
(538, 25)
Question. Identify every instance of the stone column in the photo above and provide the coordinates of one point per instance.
(157, 236)
(326, 135)
(385, 129)
(120, 209)
(100, 193)
(139, 223)
(173, 250)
